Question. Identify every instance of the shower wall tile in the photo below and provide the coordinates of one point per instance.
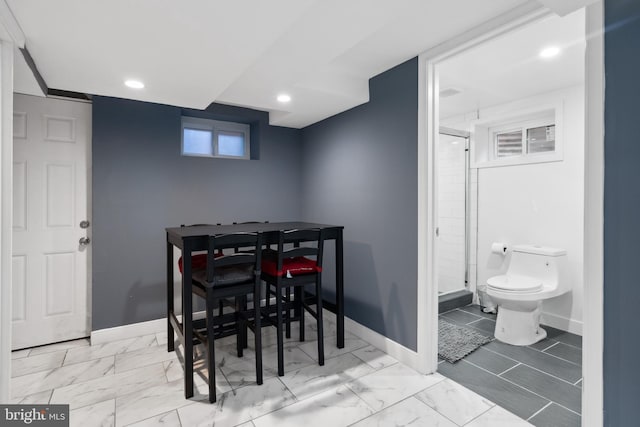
(451, 220)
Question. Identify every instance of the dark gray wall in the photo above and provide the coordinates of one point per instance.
(141, 184)
(622, 213)
(360, 171)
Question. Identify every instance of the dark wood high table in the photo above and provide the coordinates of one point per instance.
(191, 239)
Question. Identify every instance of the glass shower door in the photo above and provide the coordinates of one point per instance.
(453, 177)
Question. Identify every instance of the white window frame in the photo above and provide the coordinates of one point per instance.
(523, 127)
(493, 133)
(483, 149)
(215, 127)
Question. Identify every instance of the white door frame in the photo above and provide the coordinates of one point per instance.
(428, 128)
(11, 38)
(6, 212)
(593, 321)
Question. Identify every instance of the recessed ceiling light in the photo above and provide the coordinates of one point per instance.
(549, 52)
(134, 84)
(283, 97)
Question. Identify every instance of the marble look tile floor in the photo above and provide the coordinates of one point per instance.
(136, 382)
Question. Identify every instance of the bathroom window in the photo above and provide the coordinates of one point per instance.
(541, 139)
(528, 138)
(214, 138)
(508, 143)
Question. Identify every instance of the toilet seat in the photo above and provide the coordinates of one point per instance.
(515, 284)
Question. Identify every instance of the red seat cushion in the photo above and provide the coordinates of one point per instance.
(290, 266)
(198, 261)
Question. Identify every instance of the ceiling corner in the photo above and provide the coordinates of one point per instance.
(9, 27)
(564, 7)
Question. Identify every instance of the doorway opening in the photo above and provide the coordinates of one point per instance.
(486, 158)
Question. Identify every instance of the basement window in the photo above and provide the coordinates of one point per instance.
(522, 139)
(215, 138)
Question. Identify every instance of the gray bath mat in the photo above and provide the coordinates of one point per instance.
(455, 342)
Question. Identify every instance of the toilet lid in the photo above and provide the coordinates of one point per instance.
(515, 283)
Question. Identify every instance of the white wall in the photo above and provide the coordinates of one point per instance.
(541, 203)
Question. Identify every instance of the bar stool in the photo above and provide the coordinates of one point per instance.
(291, 267)
(236, 275)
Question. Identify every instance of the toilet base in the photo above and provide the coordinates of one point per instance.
(518, 327)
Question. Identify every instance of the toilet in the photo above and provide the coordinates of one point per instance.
(535, 273)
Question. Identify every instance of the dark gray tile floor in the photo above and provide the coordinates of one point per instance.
(541, 383)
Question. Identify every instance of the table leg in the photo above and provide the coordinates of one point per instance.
(170, 303)
(187, 320)
(340, 289)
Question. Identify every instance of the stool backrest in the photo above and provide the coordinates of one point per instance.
(300, 243)
(216, 259)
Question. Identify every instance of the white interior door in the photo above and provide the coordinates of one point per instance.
(50, 200)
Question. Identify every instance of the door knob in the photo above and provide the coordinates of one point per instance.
(84, 224)
(84, 241)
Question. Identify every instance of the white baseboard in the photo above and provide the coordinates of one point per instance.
(562, 323)
(132, 330)
(392, 348)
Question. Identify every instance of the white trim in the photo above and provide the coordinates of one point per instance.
(592, 397)
(428, 128)
(483, 151)
(9, 26)
(564, 7)
(89, 191)
(128, 331)
(501, 24)
(392, 348)
(138, 329)
(427, 300)
(562, 323)
(11, 36)
(593, 340)
(6, 213)
(423, 230)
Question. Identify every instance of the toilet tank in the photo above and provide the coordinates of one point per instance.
(540, 262)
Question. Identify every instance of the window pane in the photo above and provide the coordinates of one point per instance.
(541, 139)
(197, 142)
(509, 144)
(231, 144)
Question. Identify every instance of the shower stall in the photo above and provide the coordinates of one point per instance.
(455, 188)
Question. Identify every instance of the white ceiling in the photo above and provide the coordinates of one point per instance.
(509, 68)
(242, 52)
